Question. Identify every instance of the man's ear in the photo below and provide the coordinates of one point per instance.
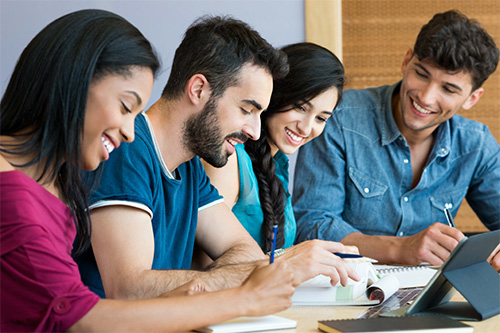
(473, 98)
(198, 89)
(406, 60)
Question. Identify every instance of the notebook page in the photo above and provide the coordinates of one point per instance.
(408, 276)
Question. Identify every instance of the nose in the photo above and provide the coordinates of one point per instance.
(428, 94)
(305, 125)
(252, 127)
(127, 130)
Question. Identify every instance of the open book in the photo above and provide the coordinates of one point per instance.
(370, 290)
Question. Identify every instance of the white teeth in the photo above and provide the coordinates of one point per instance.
(420, 109)
(233, 142)
(293, 136)
(109, 146)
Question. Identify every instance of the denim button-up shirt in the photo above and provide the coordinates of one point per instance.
(357, 176)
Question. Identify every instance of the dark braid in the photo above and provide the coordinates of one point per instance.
(271, 191)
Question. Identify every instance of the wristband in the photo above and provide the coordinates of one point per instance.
(277, 252)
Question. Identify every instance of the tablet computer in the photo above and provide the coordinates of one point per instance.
(467, 271)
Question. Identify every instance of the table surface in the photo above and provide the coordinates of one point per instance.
(307, 317)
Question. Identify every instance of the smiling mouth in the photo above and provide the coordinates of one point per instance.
(107, 144)
(420, 109)
(232, 141)
(293, 136)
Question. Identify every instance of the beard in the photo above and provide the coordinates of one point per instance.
(203, 136)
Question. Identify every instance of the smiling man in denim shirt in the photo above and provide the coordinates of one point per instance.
(394, 156)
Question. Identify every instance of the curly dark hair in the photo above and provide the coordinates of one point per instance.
(456, 43)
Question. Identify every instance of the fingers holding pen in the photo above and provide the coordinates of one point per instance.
(315, 257)
(269, 288)
(433, 245)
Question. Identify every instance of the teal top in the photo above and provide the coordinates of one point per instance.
(248, 209)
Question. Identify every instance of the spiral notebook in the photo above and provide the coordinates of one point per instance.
(408, 276)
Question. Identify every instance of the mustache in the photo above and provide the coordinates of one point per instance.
(238, 136)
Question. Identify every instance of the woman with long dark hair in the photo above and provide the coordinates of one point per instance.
(72, 99)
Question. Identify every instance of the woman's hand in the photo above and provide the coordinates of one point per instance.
(314, 257)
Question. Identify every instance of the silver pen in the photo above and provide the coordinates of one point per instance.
(449, 218)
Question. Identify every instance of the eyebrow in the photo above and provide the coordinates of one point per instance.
(139, 100)
(326, 112)
(253, 102)
(446, 83)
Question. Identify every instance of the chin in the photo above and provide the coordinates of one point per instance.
(90, 166)
(289, 150)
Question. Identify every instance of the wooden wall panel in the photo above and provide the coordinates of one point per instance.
(375, 37)
(324, 24)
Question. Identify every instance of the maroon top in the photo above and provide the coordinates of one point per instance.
(41, 289)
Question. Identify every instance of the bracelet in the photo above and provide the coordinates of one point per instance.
(277, 252)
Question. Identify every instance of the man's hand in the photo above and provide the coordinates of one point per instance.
(494, 258)
(269, 288)
(432, 245)
(314, 257)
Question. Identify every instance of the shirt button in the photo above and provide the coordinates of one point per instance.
(366, 190)
(405, 199)
(406, 160)
(443, 150)
(400, 234)
(60, 305)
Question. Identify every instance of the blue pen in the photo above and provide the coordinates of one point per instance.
(354, 256)
(449, 218)
(348, 255)
(275, 233)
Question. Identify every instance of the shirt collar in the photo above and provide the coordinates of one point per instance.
(442, 144)
(281, 159)
(157, 149)
(390, 130)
